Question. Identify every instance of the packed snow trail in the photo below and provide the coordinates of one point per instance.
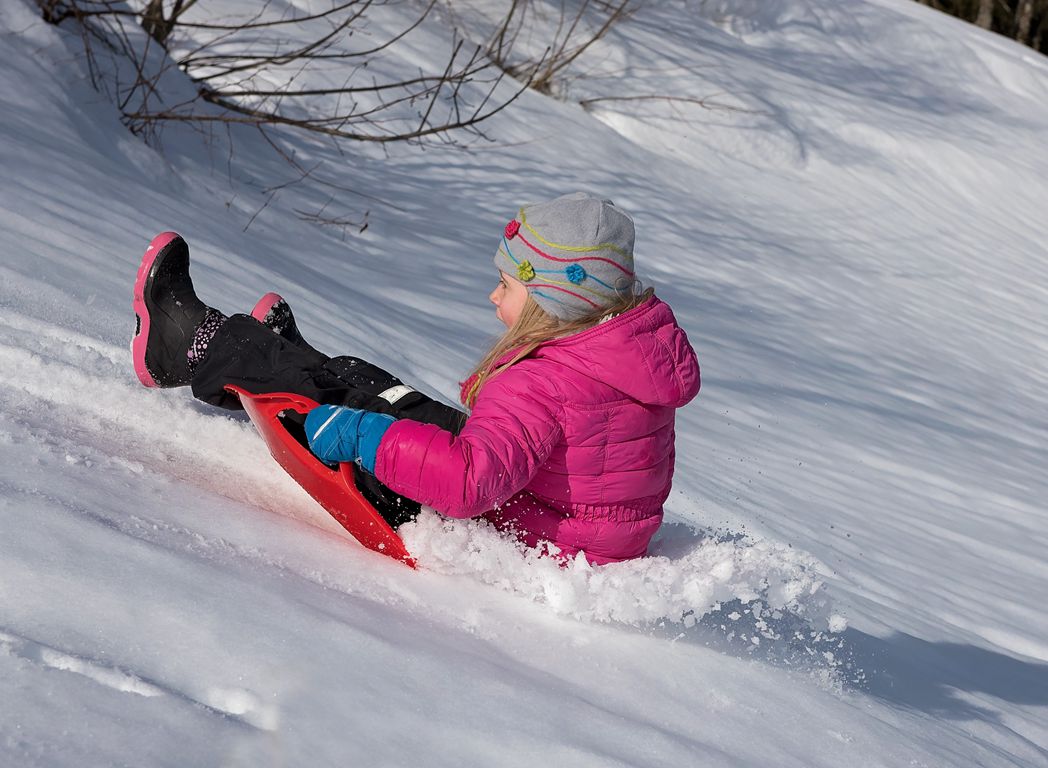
(84, 385)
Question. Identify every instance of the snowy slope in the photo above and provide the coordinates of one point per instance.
(851, 230)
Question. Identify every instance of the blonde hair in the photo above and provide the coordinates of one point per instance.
(534, 328)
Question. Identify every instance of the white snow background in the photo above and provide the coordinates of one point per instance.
(852, 231)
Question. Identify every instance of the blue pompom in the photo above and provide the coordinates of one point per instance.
(576, 273)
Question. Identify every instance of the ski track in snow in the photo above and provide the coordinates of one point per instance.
(59, 376)
(234, 703)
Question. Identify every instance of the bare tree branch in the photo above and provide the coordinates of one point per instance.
(251, 76)
(571, 36)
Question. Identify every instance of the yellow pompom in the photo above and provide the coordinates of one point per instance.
(525, 271)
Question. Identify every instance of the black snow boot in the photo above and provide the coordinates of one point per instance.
(173, 327)
(273, 311)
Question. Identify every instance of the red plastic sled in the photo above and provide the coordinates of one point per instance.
(334, 489)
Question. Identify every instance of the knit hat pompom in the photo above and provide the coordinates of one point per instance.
(574, 253)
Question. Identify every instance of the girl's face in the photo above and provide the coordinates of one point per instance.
(509, 298)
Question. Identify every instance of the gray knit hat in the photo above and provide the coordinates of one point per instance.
(574, 254)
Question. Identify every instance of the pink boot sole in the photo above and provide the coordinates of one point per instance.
(141, 338)
(263, 306)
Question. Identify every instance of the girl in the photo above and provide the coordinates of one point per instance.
(570, 437)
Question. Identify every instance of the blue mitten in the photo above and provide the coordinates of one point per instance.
(337, 433)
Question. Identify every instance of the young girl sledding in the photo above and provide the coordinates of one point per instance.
(569, 439)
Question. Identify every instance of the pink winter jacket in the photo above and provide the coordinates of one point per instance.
(572, 445)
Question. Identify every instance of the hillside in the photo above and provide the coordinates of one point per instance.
(850, 227)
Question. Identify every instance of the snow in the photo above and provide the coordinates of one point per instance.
(852, 572)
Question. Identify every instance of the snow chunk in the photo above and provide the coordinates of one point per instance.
(709, 572)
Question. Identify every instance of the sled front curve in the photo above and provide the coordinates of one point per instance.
(334, 489)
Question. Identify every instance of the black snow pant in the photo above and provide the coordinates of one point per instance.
(246, 353)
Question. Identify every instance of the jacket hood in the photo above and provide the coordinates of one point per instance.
(642, 353)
